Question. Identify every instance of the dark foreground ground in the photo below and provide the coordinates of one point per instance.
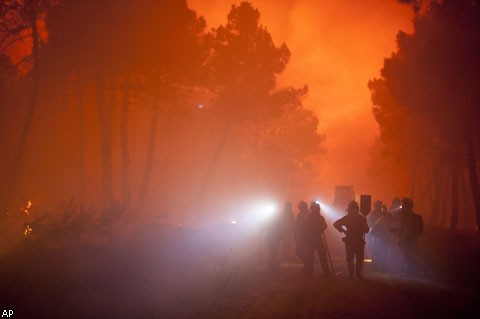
(287, 294)
(178, 274)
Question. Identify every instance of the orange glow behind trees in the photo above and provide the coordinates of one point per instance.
(429, 86)
(119, 122)
(152, 107)
(336, 48)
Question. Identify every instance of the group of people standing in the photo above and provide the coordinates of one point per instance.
(307, 229)
(393, 236)
(386, 229)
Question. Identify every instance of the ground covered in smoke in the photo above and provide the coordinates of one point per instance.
(160, 271)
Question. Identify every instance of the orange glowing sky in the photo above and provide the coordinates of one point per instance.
(336, 48)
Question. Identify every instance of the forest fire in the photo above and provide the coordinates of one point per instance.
(27, 230)
(173, 149)
(26, 209)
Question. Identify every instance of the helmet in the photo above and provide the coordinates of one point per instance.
(407, 203)
(302, 205)
(353, 206)
(288, 206)
(314, 206)
(396, 202)
(377, 204)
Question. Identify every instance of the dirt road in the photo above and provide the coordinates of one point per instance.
(289, 294)
(177, 279)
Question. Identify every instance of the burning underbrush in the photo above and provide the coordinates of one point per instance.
(86, 263)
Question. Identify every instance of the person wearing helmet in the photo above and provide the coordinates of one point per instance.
(379, 237)
(372, 219)
(395, 259)
(375, 214)
(396, 206)
(354, 226)
(299, 235)
(288, 229)
(313, 228)
(411, 227)
(273, 238)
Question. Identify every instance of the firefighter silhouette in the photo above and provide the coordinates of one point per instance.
(287, 230)
(273, 238)
(313, 228)
(410, 228)
(354, 226)
(379, 220)
(300, 244)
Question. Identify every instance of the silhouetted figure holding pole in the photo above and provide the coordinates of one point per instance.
(395, 262)
(288, 229)
(313, 228)
(299, 235)
(354, 226)
(410, 228)
(273, 238)
(396, 206)
(379, 237)
(372, 218)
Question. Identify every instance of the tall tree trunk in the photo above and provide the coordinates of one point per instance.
(443, 204)
(258, 163)
(414, 176)
(81, 147)
(464, 202)
(124, 145)
(284, 188)
(454, 196)
(147, 172)
(212, 165)
(472, 168)
(105, 139)
(167, 159)
(436, 190)
(19, 154)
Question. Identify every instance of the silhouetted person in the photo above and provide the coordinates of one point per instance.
(375, 214)
(372, 218)
(313, 228)
(273, 238)
(396, 206)
(379, 237)
(299, 235)
(288, 229)
(395, 255)
(354, 226)
(410, 228)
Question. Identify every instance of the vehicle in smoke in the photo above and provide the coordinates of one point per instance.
(343, 196)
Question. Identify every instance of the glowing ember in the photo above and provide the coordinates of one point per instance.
(27, 231)
(26, 208)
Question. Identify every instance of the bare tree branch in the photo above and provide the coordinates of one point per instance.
(12, 41)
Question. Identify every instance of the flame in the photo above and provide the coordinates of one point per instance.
(27, 231)
(26, 209)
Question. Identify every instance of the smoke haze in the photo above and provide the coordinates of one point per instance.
(336, 47)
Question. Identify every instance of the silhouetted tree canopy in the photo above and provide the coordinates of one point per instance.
(432, 82)
(152, 97)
